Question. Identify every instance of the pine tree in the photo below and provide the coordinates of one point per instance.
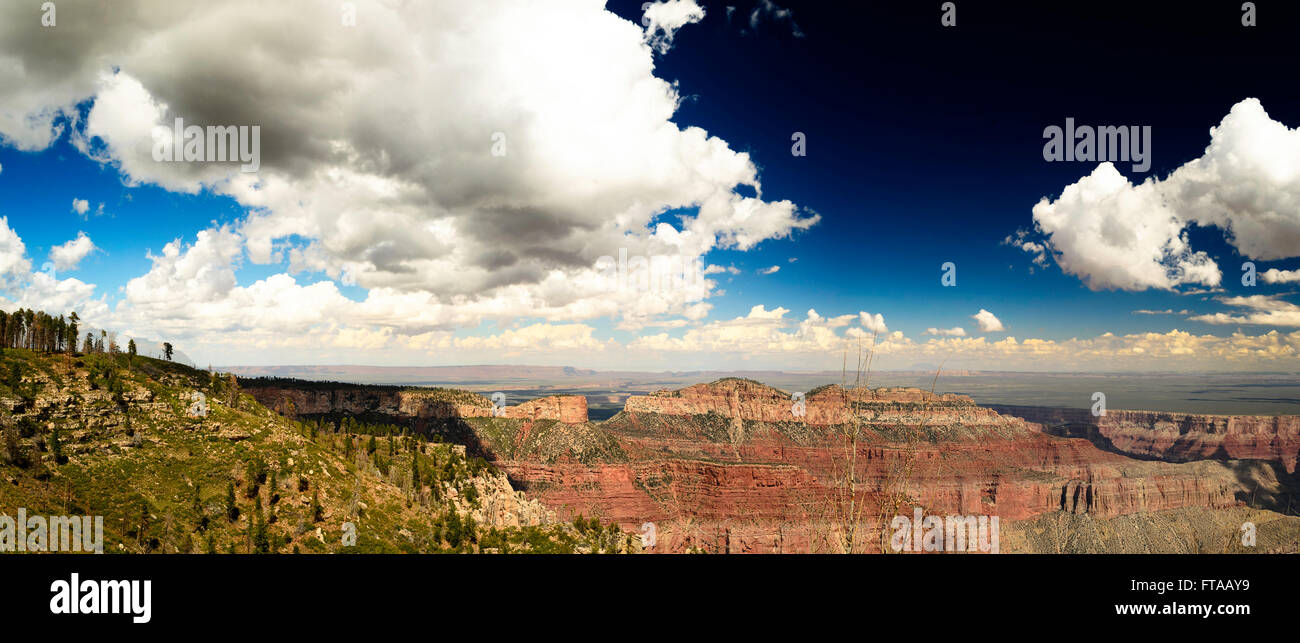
(72, 331)
(13, 453)
(317, 512)
(232, 391)
(271, 486)
(56, 446)
(232, 510)
(196, 505)
(257, 524)
(250, 479)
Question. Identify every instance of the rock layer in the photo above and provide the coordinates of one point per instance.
(1176, 437)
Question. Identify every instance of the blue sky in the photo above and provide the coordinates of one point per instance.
(924, 146)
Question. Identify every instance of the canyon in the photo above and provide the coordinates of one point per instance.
(738, 466)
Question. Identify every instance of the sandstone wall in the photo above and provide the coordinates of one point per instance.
(1178, 437)
(411, 404)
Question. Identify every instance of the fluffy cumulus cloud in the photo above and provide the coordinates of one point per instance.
(458, 161)
(1114, 234)
(21, 287)
(68, 255)
(988, 322)
(1262, 310)
(13, 254)
(874, 323)
(663, 19)
(769, 336)
(1174, 350)
(1275, 276)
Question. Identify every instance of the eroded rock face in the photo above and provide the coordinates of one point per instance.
(1177, 437)
(730, 466)
(393, 402)
(569, 409)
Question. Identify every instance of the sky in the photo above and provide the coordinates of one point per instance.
(454, 183)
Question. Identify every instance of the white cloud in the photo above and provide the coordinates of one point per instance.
(1275, 276)
(769, 270)
(665, 18)
(988, 323)
(1247, 182)
(80, 206)
(955, 331)
(768, 337)
(1263, 310)
(1020, 240)
(1167, 311)
(713, 269)
(22, 288)
(69, 254)
(13, 254)
(1116, 235)
(874, 323)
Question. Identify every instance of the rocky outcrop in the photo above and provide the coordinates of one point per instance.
(394, 402)
(1176, 437)
(568, 409)
(745, 400)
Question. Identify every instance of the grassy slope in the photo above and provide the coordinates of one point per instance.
(134, 456)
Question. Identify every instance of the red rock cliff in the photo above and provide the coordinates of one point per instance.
(1178, 437)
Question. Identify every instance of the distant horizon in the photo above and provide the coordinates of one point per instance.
(1268, 394)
